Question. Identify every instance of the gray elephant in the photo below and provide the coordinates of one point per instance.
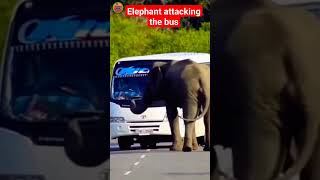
(184, 84)
(266, 86)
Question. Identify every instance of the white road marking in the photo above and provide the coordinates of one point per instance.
(136, 163)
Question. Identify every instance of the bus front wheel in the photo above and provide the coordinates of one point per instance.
(148, 144)
(124, 143)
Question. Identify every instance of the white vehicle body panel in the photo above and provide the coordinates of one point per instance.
(20, 157)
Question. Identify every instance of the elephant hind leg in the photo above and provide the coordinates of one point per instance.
(311, 171)
(190, 110)
(173, 119)
(188, 139)
(214, 166)
(257, 149)
(195, 145)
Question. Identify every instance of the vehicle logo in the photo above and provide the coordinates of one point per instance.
(36, 30)
(131, 71)
(117, 7)
(143, 117)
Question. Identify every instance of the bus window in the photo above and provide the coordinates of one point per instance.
(61, 80)
(53, 87)
(56, 60)
(126, 88)
(130, 78)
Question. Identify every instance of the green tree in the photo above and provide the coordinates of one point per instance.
(192, 22)
(6, 7)
(132, 37)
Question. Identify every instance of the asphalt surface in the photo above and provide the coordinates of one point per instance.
(162, 164)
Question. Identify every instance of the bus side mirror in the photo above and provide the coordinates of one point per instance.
(86, 141)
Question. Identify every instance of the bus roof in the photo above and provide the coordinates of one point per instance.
(197, 57)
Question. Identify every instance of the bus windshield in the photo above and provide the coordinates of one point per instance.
(60, 76)
(127, 88)
(57, 62)
(130, 79)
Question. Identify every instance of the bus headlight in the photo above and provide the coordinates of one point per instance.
(117, 119)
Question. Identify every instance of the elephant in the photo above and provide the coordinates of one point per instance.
(266, 88)
(184, 84)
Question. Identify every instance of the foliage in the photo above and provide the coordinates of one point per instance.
(194, 21)
(131, 37)
(6, 7)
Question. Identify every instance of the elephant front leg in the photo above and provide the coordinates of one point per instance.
(173, 119)
(188, 138)
(256, 149)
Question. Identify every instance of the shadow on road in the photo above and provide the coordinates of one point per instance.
(128, 152)
(116, 148)
(138, 149)
(188, 174)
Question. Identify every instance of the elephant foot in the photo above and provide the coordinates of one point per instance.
(187, 149)
(195, 146)
(176, 147)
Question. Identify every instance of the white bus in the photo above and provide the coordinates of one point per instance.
(52, 76)
(129, 79)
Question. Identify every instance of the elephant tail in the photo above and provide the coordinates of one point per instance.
(206, 93)
(310, 138)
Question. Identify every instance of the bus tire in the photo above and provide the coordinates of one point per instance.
(148, 145)
(201, 140)
(153, 145)
(124, 143)
(144, 145)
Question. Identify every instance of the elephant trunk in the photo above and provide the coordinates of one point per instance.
(310, 139)
(206, 92)
(138, 106)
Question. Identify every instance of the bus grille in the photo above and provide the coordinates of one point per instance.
(133, 128)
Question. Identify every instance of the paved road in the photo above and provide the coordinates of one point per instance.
(161, 164)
